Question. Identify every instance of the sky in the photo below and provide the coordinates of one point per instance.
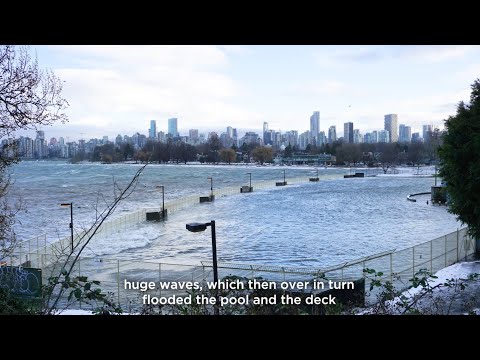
(118, 89)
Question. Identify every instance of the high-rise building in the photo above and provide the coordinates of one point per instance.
(235, 136)
(427, 129)
(416, 137)
(391, 125)
(348, 132)
(332, 134)
(322, 139)
(193, 135)
(265, 126)
(173, 127)
(267, 135)
(384, 136)
(161, 137)
(229, 132)
(357, 137)
(152, 133)
(404, 133)
(315, 124)
(118, 140)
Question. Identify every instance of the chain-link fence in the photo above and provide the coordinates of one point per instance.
(397, 266)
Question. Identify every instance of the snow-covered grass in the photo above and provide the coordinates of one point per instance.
(449, 291)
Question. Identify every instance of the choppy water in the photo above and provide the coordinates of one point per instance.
(312, 224)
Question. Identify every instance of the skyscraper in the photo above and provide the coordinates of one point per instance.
(193, 135)
(152, 133)
(315, 124)
(384, 136)
(348, 132)
(267, 139)
(357, 137)
(404, 133)
(391, 125)
(332, 134)
(172, 127)
(426, 130)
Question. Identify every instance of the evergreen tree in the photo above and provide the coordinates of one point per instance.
(460, 161)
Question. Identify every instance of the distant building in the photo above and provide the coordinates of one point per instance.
(304, 140)
(322, 139)
(152, 133)
(348, 132)
(161, 137)
(404, 133)
(193, 135)
(173, 126)
(427, 130)
(315, 124)
(416, 137)
(235, 137)
(357, 137)
(118, 140)
(291, 138)
(332, 134)
(384, 136)
(391, 125)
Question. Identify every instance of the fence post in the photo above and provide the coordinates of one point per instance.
(160, 277)
(445, 250)
(79, 259)
(457, 247)
(118, 281)
(431, 256)
(391, 268)
(413, 264)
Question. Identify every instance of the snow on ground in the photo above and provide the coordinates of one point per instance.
(453, 299)
(76, 312)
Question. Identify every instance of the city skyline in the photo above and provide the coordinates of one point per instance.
(119, 89)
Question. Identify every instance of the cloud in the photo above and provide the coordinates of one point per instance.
(121, 86)
(433, 53)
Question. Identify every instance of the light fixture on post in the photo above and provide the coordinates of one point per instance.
(157, 215)
(199, 227)
(282, 183)
(249, 188)
(71, 220)
(211, 197)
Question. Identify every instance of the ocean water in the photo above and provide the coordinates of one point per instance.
(309, 224)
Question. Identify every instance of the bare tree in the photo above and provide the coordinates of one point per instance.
(61, 281)
(29, 97)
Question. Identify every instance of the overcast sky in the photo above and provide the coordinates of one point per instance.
(119, 89)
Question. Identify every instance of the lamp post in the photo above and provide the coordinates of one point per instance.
(249, 173)
(71, 220)
(211, 185)
(163, 199)
(198, 227)
(284, 177)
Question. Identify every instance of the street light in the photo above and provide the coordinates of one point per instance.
(71, 219)
(198, 227)
(211, 185)
(163, 199)
(249, 173)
